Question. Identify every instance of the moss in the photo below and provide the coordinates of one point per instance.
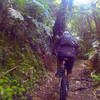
(30, 70)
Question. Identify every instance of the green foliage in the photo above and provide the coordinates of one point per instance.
(29, 72)
(20, 4)
(1, 56)
(45, 3)
(10, 88)
(96, 78)
(57, 2)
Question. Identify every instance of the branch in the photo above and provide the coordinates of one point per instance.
(10, 70)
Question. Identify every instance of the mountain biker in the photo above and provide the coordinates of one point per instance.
(65, 47)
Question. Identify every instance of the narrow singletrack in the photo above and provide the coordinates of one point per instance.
(80, 86)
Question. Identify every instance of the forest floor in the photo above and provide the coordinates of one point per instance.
(81, 86)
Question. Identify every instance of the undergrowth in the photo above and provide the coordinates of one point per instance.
(21, 69)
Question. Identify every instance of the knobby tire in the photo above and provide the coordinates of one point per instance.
(63, 90)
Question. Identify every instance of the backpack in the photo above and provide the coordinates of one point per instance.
(67, 39)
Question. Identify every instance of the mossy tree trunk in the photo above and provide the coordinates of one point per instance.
(61, 19)
(60, 23)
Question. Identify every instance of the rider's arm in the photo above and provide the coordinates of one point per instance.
(75, 44)
(77, 47)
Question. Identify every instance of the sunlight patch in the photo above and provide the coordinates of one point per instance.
(57, 2)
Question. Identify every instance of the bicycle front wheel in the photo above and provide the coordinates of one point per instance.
(63, 89)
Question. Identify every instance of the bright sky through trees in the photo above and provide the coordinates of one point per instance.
(82, 1)
(77, 1)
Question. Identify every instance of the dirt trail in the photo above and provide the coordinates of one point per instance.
(80, 86)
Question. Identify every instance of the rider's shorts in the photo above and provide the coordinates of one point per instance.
(68, 63)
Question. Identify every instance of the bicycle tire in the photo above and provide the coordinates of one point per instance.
(63, 89)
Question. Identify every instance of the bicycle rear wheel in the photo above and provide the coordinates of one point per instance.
(63, 89)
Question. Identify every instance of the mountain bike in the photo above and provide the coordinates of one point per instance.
(63, 88)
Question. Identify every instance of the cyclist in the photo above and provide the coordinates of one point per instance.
(65, 47)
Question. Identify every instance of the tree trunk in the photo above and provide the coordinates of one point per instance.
(60, 23)
(89, 24)
(97, 21)
(61, 19)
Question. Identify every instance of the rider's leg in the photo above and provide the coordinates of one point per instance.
(60, 69)
(69, 65)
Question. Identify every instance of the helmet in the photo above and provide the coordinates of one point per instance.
(66, 33)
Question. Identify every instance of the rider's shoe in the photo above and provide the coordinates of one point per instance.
(67, 86)
(59, 73)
